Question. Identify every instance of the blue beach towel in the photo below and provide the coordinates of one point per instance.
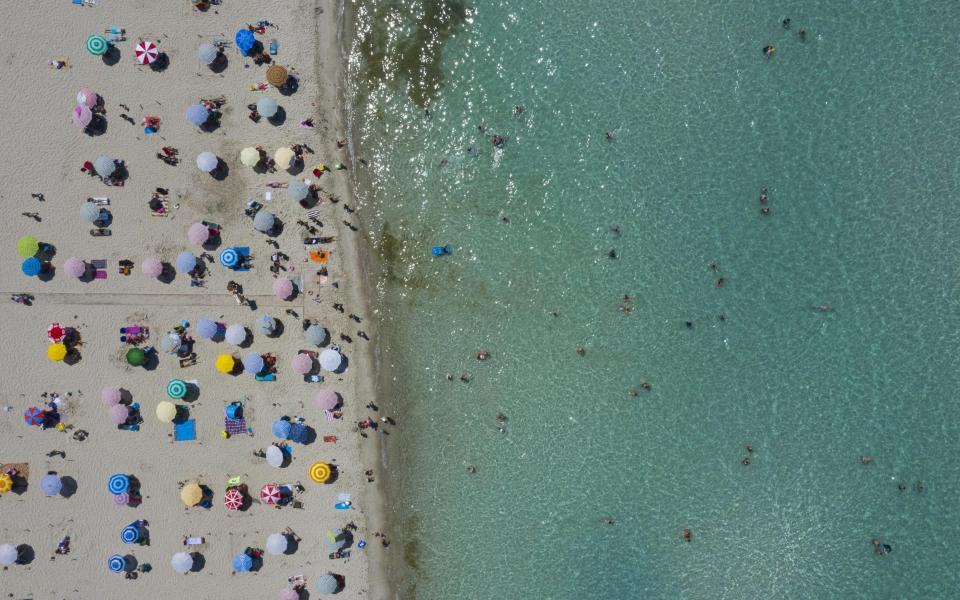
(186, 431)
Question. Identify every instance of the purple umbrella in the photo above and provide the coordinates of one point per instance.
(119, 414)
(327, 400)
(51, 485)
(87, 97)
(198, 234)
(198, 114)
(207, 328)
(152, 266)
(121, 499)
(186, 262)
(74, 267)
(253, 363)
(110, 396)
(81, 116)
(282, 288)
(302, 364)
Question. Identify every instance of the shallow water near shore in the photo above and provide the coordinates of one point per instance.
(852, 133)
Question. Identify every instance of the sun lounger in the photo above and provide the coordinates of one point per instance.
(194, 540)
(99, 200)
(186, 431)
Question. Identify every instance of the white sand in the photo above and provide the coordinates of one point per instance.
(42, 152)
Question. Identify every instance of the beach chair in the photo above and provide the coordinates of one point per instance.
(194, 540)
(99, 200)
(265, 377)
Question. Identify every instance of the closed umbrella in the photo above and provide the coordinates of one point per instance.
(250, 157)
(74, 267)
(87, 97)
(51, 485)
(118, 483)
(97, 45)
(297, 190)
(277, 544)
(253, 363)
(31, 266)
(282, 288)
(8, 554)
(186, 262)
(191, 494)
(242, 563)
(206, 328)
(277, 75)
(119, 414)
(130, 534)
(116, 563)
(27, 246)
(182, 562)
(152, 266)
(207, 53)
(225, 363)
(56, 352)
(233, 499)
(236, 334)
(207, 161)
(274, 456)
(327, 584)
(302, 364)
(89, 212)
(104, 166)
(266, 324)
(330, 359)
(110, 396)
(315, 335)
(82, 116)
(198, 114)
(267, 107)
(166, 411)
(229, 257)
(327, 399)
(146, 52)
(284, 157)
(270, 493)
(177, 389)
(244, 41)
(198, 234)
(170, 343)
(136, 357)
(264, 221)
(281, 428)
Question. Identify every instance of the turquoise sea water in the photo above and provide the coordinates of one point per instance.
(855, 134)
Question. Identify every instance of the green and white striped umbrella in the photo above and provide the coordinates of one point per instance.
(177, 389)
(97, 45)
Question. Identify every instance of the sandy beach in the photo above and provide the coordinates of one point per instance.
(43, 155)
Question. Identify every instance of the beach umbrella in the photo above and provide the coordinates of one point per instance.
(207, 53)
(198, 114)
(330, 359)
(335, 539)
(56, 352)
(146, 52)
(170, 343)
(270, 493)
(207, 328)
(319, 472)
(266, 324)
(242, 562)
(207, 161)
(136, 357)
(87, 97)
(274, 456)
(327, 584)
(31, 266)
(315, 335)
(298, 433)
(250, 157)
(177, 389)
(282, 288)
(181, 562)
(186, 262)
(81, 116)
(111, 396)
(288, 594)
(264, 221)
(8, 554)
(121, 499)
(327, 399)
(244, 41)
(152, 266)
(27, 246)
(75, 267)
(117, 563)
(284, 157)
(233, 411)
(119, 414)
(276, 76)
(297, 190)
(130, 534)
(191, 494)
(104, 166)
(233, 499)
(97, 45)
(166, 411)
(118, 483)
(302, 363)
(33, 416)
(229, 257)
(236, 334)
(253, 363)
(281, 428)
(198, 234)
(6, 483)
(56, 332)
(225, 363)
(267, 107)
(277, 544)
(89, 212)
(51, 485)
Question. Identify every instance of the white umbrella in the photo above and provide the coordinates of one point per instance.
(207, 161)
(264, 221)
(207, 53)
(170, 343)
(315, 335)
(181, 562)
(276, 542)
(104, 166)
(274, 456)
(8, 554)
(236, 335)
(266, 324)
(267, 107)
(330, 360)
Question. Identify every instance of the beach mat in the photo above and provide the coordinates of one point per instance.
(186, 431)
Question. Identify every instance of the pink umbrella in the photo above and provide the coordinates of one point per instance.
(270, 494)
(233, 499)
(122, 499)
(87, 97)
(327, 400)
(74, 267)
(110, 396)
(302, 364)
(82, 116)
(288, 594)
(146, 52)
(119, 413)
(198, 234)
(282, 288)
(152, 266)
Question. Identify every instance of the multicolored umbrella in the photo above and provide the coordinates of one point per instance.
(130, 534)
(6, 483)
(229, 258)
(177, 389)
(270, 493)
(146, 52)
(97, 45)
(242, 562)
(116, 563)
(33, 416)
(56, 332)
(82, 116)
(118, 483)
(335, 539)
(320, 472)
(121, 499)
(233, 499)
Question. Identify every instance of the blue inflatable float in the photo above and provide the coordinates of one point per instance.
(441, 250)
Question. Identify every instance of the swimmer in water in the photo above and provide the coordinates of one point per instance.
(803, 34)
(687, 535)
(786, 22)
(581, 351)
(768, 51)
(765, 211)
(610, 136)
(763, 195)
(823, 308)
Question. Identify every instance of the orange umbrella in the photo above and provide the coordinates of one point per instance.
(277, 75)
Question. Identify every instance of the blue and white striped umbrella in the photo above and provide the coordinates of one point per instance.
(130, 534)
(118, 484)
(229, 258)
(117, 563)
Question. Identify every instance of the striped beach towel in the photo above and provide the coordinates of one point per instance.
(313, 214)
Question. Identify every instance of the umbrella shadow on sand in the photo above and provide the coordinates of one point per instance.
(212, 123)
(98, 126)
(168, 274)
(47, 272)
(290, 87)
(221, 171)
(69, 486)
(161, 64)
(278, 117)
(131, 561)
(111, 56)
(199, 562)
(25, 554)
(220, 63)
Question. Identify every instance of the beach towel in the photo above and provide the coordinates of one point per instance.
(100, 274)
(329, 415)
(313, 214)
(243, 251)
(186, 431)
(234, 426)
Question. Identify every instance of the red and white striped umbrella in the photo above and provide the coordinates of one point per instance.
(146, 52)
(56, 332)
(233, 499)
(270, 494)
